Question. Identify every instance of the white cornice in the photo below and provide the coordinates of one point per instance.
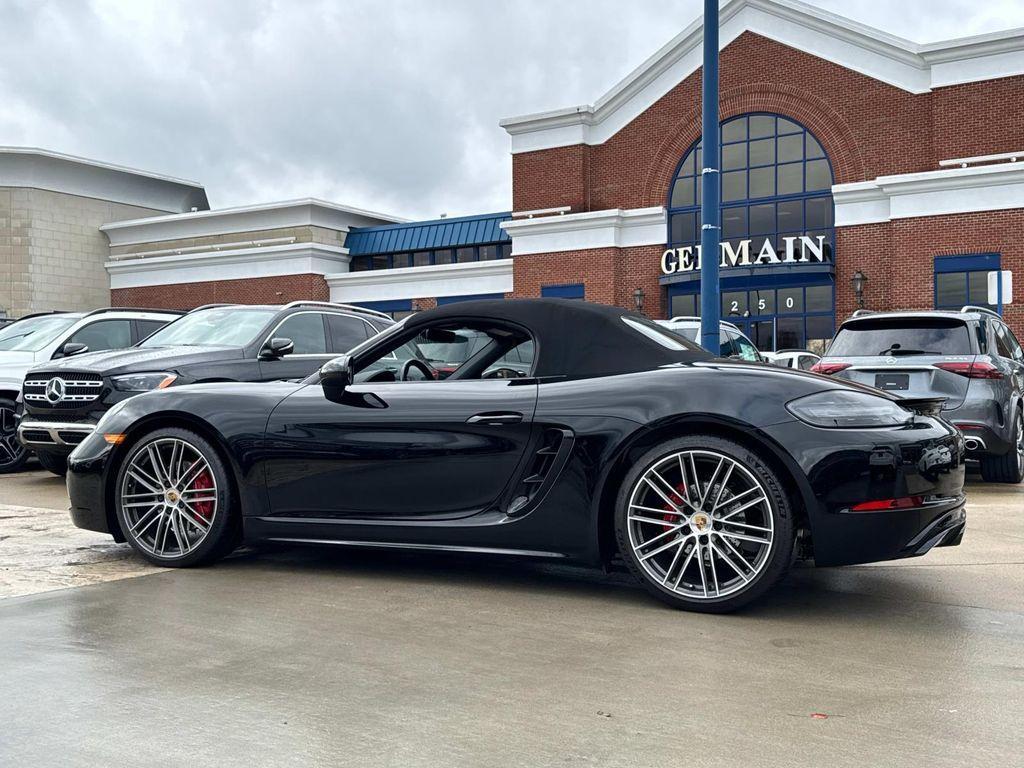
(858, 47)
(467, 279)
(251, 218)
(931, 193)
(30, 167)
(236, 264)
(615, 228)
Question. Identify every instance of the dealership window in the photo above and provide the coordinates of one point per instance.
(425, 258)
(573, 291)
(397, 308)
(776, 189)
(963, 279)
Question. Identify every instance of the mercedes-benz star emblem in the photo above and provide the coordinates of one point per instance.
(55, 389)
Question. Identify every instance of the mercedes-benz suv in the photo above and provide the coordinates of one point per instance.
(64, 399)
(970, 359)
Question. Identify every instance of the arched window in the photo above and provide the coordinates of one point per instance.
(776, 184)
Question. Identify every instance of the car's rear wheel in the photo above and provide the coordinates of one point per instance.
(53, 462)
(174, 499)
(13, 454)
(1008, 468)
(704, 523)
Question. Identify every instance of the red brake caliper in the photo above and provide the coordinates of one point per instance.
(203, 482)
(671, 516)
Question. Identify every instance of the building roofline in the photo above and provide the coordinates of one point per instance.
(913, 67)
(35, 168)
(307, 211)
(446, 220)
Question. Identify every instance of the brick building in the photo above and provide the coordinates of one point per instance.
(844, 149)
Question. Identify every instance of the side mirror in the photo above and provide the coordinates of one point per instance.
(338, 372)
(276, 348)
(72, 348)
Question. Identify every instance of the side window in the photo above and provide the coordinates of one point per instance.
(147, 327)
(747, 350)
(1015, 348)
(727, 347)
(806, 362)
(104, 334)
(306, 330)
(1002, 342)
(346, 332)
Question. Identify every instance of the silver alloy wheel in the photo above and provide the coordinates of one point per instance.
(168, 497)
(11, 451)
(700, 524)
(1020, 443)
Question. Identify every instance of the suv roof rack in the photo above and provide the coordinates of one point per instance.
(211, 306)
(985, 310)
(862, 312)
(102, 310)
(335, 305)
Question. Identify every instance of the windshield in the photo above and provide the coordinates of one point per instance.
(455, 352)
(33, 334)
(217, 327)
(902, 337)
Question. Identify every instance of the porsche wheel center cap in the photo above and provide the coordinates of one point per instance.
(172, 497)
(700, 522)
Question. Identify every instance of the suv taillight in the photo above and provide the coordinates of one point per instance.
(978, 370)
(827, 369)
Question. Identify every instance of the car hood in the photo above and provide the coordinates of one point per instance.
(141, 359)
(14, 365)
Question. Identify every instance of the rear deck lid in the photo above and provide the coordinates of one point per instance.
(902, 355)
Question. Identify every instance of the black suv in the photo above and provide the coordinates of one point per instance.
(63, 399)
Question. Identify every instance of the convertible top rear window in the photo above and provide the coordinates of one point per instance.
(657, 334)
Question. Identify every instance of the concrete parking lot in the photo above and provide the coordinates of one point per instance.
(312, 657)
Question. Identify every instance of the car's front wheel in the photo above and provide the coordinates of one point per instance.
(13, 454)
(174, 499)
(1008, 468)
(704, 523)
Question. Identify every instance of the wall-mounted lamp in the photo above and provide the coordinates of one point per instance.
(638, 299)
(858, 281)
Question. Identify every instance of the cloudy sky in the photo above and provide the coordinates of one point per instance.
(391, 105)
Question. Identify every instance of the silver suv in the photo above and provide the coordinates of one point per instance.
(970, 358)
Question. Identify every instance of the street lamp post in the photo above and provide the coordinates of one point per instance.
(638, 300)
(710, 305)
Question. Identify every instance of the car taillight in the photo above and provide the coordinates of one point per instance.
(906, 502)
(977, 370)
(827, 369)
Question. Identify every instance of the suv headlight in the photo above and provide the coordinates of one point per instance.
(143, 382)
(844, 409)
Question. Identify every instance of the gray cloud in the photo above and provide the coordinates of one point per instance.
(386, 105)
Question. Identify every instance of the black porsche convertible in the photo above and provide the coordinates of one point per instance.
(707, 477)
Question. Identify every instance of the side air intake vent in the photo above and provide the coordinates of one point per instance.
(547, 462)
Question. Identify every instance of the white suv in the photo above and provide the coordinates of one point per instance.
(35, 339)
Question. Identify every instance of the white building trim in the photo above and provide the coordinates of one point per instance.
(289, 213)
(904, 64)
(615, 228)
(31, 167)
(237, 264)
(468, 279)
(931, 193)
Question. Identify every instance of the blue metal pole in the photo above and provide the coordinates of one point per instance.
(710, 303)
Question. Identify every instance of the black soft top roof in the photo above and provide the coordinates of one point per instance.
(574, 338)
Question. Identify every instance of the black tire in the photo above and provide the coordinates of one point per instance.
(1008, 468)
(13, 454)
(53, 462)
(224, 529)
(779, 555)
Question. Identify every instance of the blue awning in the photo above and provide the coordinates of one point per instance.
(428, 235)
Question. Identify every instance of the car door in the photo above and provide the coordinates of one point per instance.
(102, 335)
(397, 449)
(308, 332)
(1011, 356)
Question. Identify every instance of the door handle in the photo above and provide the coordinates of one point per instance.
(496, 418)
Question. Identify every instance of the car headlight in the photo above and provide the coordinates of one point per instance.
(143, 382)
(845, 409)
